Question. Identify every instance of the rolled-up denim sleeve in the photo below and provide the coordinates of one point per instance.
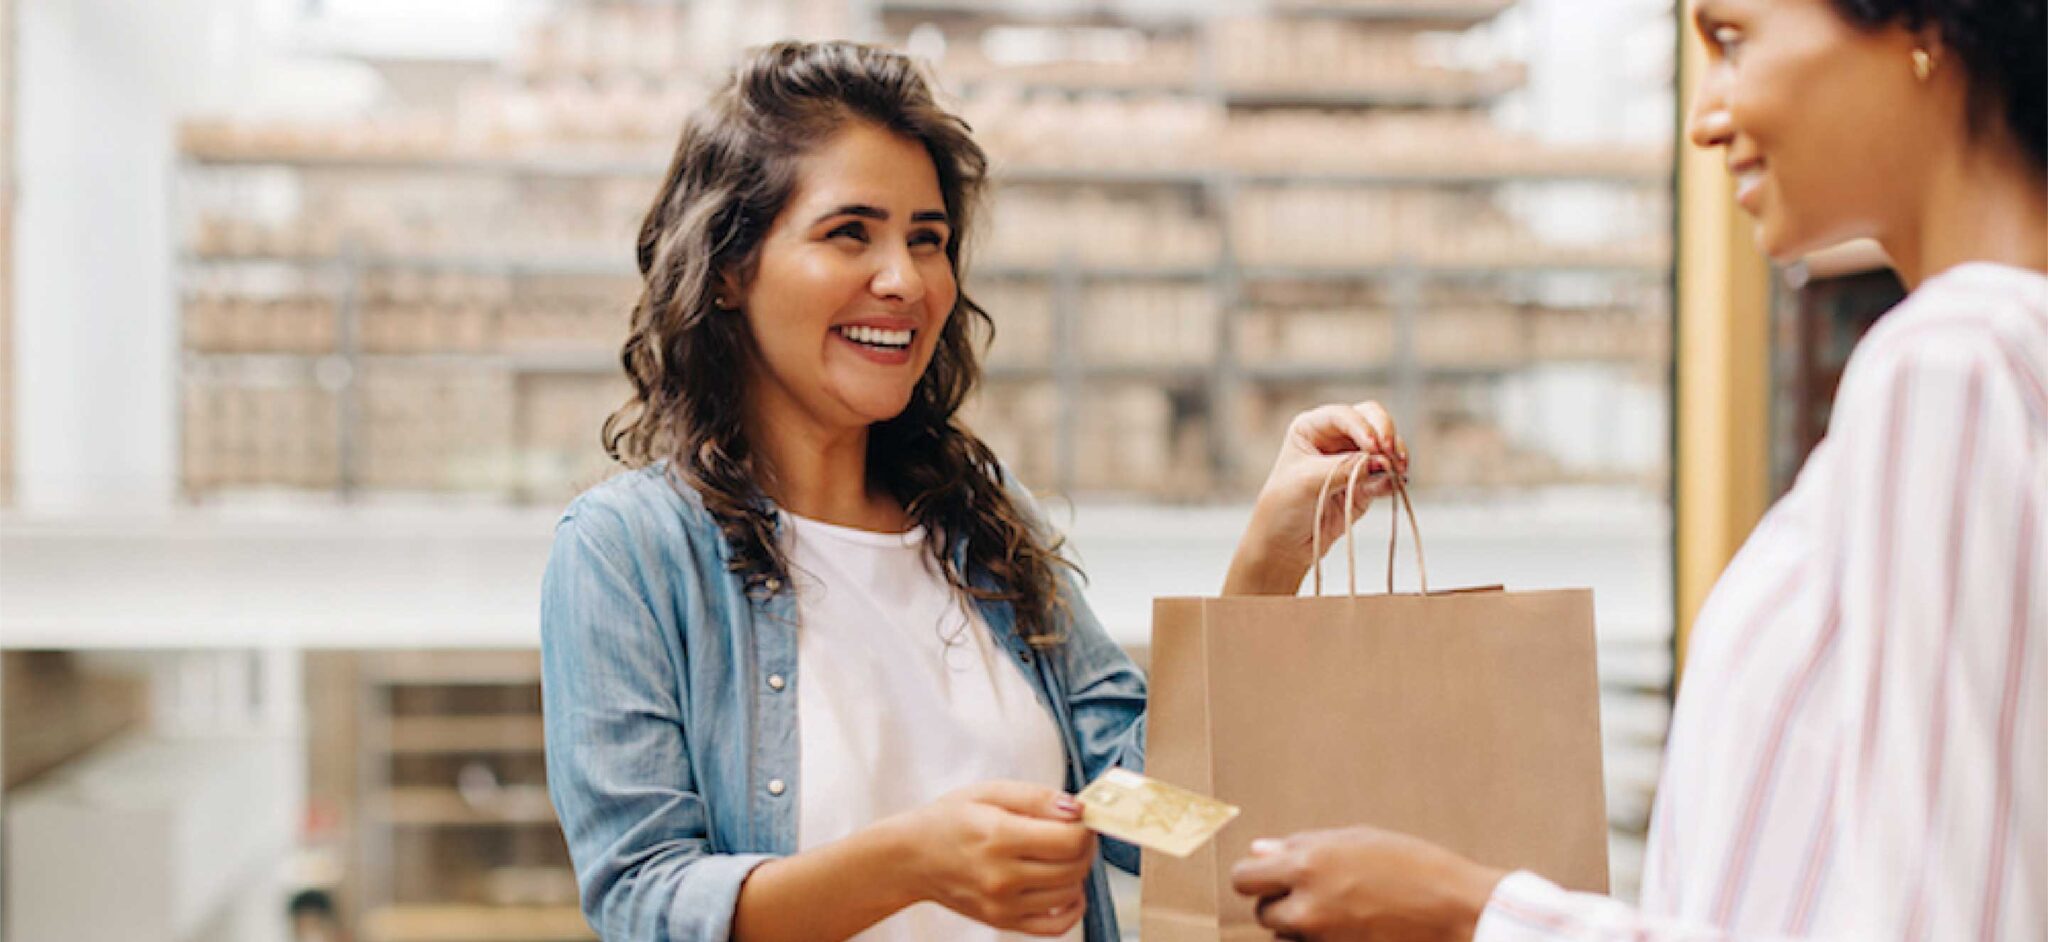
(619, 768)
(1105, 689)
(1106, 695)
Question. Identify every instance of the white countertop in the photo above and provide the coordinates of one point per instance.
(433, 575)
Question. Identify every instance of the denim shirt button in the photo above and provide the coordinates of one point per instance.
(776, 787)
(772, 585)
(776, 683)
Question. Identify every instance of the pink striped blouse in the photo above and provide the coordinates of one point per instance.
(1860, 748)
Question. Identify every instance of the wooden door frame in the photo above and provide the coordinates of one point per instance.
(1721, 399)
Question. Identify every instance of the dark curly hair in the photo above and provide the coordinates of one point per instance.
(733, 171)
(2002, 45)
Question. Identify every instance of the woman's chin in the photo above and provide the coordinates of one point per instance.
(1776, 249)
(874, 408)
(1785, 241)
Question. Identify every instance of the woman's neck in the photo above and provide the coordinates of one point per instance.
(818, 472)
(1983, 203)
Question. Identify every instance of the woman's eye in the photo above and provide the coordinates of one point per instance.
(1727, 39)
(927, 238)
(851, 230)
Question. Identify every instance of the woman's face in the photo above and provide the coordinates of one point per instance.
(852, 286)
(1823, 124)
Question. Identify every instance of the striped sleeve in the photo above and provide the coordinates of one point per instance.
(1528, 908)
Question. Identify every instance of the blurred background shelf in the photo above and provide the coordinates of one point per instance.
(205, 150)
(620, 266)
(438, 668)
(1447, 13)
(1649, 167)
(458, 923)
(1162, 172)
(1441, 13)
(1465, 92)
(1062, 12)
(430, 806)
(458, 834)
(465, 734)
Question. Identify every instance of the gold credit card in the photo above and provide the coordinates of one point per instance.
(1154, 815)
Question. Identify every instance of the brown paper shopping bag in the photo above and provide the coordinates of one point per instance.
(1468, 717)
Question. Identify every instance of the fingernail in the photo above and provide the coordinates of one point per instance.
(1068, 804)
(1265, 846)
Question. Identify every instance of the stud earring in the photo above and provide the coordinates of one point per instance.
(1923, 65)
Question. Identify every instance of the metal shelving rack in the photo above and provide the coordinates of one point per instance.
(1205, 391)
(417, 712)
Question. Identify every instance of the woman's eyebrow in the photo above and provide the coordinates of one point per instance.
(1704, 15)
(865, 211)
(861, 210)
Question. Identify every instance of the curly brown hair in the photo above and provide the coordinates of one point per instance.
(734, 169)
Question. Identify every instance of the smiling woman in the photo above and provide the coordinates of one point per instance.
(798, 354)
(814, 668)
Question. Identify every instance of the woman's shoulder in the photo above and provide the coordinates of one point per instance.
(636, 506)
(1974, 320)
(1974, 308)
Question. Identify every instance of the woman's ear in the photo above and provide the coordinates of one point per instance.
(730, 297)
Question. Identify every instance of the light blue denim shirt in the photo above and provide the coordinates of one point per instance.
(670, 699)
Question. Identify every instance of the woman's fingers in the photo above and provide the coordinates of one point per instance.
(1051, 899)
(1363, 427)
(1382, 423)
(1027, 876)
(1373, 480)
(1264, 875)
(1379, 418)
(1055, 920)
(1336, 429)
(1048, 841)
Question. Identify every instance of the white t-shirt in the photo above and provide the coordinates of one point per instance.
(902, 696)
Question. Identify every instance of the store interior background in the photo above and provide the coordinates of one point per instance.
(309, 313)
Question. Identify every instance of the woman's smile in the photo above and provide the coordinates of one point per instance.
(887, 346)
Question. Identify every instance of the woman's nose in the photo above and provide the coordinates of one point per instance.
(1707, 122)
(899, 279)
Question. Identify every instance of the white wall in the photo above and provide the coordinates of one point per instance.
(101, 85)
(1599, 70)
(93, 278)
